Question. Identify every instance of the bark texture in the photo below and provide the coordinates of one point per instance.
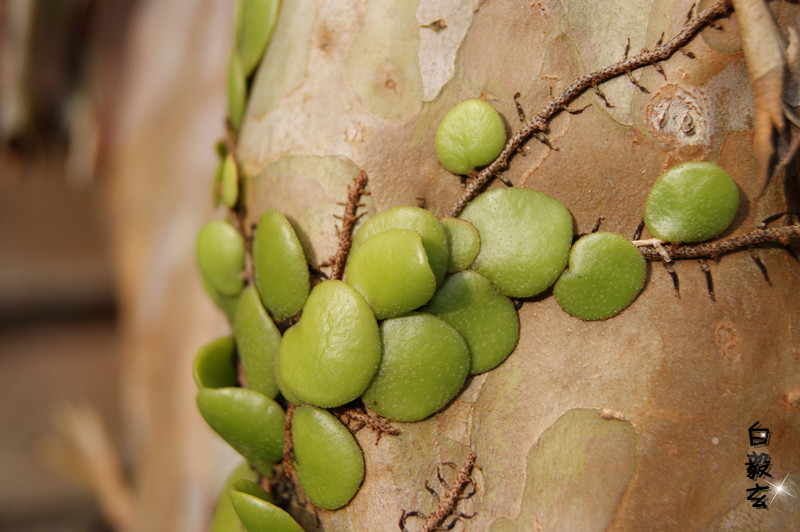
(634, 423)
(638, 422)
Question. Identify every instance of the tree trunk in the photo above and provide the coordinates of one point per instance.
(634, 423)
(639, 422)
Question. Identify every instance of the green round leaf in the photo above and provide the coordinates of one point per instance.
(237, 91)
(216, 190)
(391, 271)
(330, 464)
(249, 421)
(258, 341)
(255, 21)
(221, 148)
(415, 219)
(329, 357)
(463, 241)
(255, 508)
(425, 362)
(214, 365)
(279, 265)
(225, 303)
(471, 134)
(691, 202)
(525, 239)
(230, 181)
(485, 318)
(606, 273)
(286, 392)
(220, 257)
(224, 518)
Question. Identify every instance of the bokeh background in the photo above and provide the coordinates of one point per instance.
(109, 111)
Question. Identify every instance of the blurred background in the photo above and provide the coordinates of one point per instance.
(109, 110)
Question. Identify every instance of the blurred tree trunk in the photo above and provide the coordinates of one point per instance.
(164, 124)
(639, 422)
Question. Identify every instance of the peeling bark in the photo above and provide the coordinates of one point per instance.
(766, 58)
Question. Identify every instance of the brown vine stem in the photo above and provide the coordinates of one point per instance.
(288, 468)
(349, 219)
(447, 503)
(378, 424)
(712, 250)
(539, 122)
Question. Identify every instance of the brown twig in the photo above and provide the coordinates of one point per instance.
(339, 260)
(712, 250)
(709, 280)
(630, 75)
(373, 422)
(237, 220)
(249, 266)
(539, 122)
(447, 503)
(230, 137)
(288, 450)
(520, 111)
(760, 264)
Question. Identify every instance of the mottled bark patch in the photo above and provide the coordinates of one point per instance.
(728, 343)
(569, 485)
(383, 64)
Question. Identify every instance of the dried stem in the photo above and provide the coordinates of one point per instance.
(377, 423)
(712, 250)
(237, 220)
(288, 451)
(339, 260)
(447, 503)
(539, 122)
(230, 138)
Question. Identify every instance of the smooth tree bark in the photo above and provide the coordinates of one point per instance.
(637, 422)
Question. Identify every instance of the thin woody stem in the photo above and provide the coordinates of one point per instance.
(539, 122)
(713, 250)
(230, 138)
(288, 468)
(339, 260)
(448, 502)
(376, 423)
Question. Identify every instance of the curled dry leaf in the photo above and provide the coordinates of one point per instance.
(791, 98)
(766, 58)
